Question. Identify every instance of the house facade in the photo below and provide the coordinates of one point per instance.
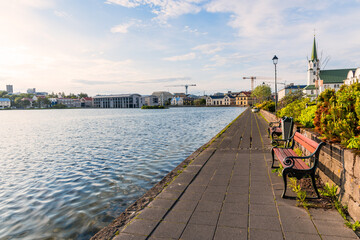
(290, 89)
(244, 99)
(118, 101)
(352, 77)
(5, 103)
(215, 100)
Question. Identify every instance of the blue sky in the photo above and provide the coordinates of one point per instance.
(141, 46)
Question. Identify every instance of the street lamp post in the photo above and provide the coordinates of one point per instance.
(275, 61)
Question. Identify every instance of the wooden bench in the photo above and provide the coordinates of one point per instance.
(276, 128)
(294, 166)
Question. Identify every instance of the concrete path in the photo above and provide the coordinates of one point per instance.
(229, 192)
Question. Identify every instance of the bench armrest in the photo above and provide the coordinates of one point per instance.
(289, 160)
(271, 124)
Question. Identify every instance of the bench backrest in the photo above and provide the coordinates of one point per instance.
(309, 144)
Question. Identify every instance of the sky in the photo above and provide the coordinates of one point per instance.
(141, 46)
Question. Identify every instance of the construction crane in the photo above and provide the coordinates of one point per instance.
(252, 78)
(184, 85)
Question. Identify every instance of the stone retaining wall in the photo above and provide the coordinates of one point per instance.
(336, 166)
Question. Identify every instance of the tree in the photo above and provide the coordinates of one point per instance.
(200, 101)
(290, 97)
(81, 95)
(262, 93)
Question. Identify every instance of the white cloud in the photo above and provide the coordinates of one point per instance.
(210, 48)
(194, 31)
(125, 3)
(185, 57)
(123, 28)
(164, 9)
(61, 14)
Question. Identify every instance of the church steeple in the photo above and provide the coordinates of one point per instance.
(313, 66)
(314, 53)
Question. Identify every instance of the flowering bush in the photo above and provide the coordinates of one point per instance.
(307, 116)
(337, 116)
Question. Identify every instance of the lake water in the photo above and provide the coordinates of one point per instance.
(65, 174)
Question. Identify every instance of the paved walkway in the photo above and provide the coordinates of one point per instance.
(229, 192)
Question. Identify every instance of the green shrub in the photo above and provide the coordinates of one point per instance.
(267, 106)
(337, 116)
(307, 116)
(294, 109)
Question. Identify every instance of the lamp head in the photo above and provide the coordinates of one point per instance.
(275, 59)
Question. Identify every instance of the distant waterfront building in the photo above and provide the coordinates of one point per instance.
(86, 102)
(164, 97)
(229, 100)
(177, 101)
(69, 102)
(290, 89)
(118, 101)
(9, 89)
(215, 100)
(244, 99)
(150, 100)
(31, 90)
(5, 103)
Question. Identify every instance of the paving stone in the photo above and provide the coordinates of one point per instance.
(183, 178)
(338, 238)
(125, 236)
(233, 220)
(207, 206)
(237, 198)
(162, 203)
(333, 228)
(194, 188)
(177, 187)
(258, 234)
(266, 199)
(213, 196)
(140, 227)
(178, 216)
(152, 213)
(292, 212)
(204, 218)
(191, 196)
(226, 233)
(325, 214)
(238, 189)
(242, 208)
(183, 205)
(299, 225)
(166, 194)
(169, 230)
(217, 189)
(301, 236)
(265, 223)
(197, 232)
(263, 210)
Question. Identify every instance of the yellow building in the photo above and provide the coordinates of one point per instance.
(244, 99)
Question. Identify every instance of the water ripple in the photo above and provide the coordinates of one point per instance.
(67, 173)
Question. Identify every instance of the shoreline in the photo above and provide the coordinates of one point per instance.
(132, 211)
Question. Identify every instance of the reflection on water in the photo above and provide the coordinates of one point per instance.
(67, 173)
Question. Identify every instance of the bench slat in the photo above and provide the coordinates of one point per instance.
(282, 153)
(309, 144)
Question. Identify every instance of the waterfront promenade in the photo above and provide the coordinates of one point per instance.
(229, 192)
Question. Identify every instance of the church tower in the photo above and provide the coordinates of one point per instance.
(313, 67)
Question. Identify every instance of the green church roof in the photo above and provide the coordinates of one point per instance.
(310, 87)
(335, 75)
(314, 53)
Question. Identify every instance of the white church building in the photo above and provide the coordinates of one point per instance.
(318, 80)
